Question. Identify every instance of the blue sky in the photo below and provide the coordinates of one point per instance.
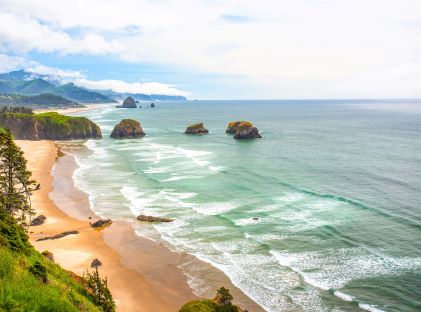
(221, 49)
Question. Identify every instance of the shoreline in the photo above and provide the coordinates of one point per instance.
(142, 274)
(69, 110)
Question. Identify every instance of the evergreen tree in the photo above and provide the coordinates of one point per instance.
(16, 183)
(101, 293)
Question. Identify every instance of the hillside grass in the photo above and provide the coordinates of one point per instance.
(30, 282)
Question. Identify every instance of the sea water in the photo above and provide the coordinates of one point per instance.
(321, 214)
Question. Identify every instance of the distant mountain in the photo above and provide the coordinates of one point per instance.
(29, 83)
(42, 100)
(40, 86)
(25, 75)
(142, 96)
(73, 92)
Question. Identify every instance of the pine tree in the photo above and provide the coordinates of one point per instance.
(100, 291)
(16, 183)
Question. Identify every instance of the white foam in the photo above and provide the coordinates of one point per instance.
(214, 208)
(369, 308)
(343, 296)
(178, 178)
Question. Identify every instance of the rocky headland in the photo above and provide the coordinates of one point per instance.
(49, 126)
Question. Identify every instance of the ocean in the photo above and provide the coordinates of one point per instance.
(321, 214)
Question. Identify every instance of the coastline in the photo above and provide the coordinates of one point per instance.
(70, 110)
(143, 275)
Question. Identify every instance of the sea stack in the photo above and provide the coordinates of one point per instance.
(129, 102)
(246, 130)
(127, 128)
(196, 129)
(152, 105)
(233, 126)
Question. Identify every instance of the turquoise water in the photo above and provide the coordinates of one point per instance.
(335, 187)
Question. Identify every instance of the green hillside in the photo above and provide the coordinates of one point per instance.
(37, 101)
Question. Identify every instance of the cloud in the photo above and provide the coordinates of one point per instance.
(236, 18)
(10, 62)
(296, 49)
(136, 87)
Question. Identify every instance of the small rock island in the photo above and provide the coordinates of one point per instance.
(197, 128)
(243, 130)
(127, 128)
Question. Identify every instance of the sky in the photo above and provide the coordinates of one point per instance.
(220, 49)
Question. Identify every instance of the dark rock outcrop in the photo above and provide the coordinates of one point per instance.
(152, 105)
(127, 128)
(100, 224)
(233, 126)
(153, 219)
(96, 263)
(48, 254)
(38, 220)
(49, 126)
(246, 130)
(196, 129)
(129, 102)
(57, 236)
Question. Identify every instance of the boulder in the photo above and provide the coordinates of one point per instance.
(96, 263)
(246, 130)
(38, 220)
(100, 224)
(153, 219)
(196, 129)
(57, 236)
(129, 102)
(48, 254)
(127, 128)
(152, 105)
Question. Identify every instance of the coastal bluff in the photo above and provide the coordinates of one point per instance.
(127, 128)
(49, 126)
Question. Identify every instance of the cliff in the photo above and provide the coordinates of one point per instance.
(49, 126)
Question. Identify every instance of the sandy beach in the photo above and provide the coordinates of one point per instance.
(69, 110)
(142, 275)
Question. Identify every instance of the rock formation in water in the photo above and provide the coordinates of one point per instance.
(233, 126)
(196, 129)
(246, 130)
(129, 102)
(49, 126)
(127, 128)
(152, 105)
(153, 219)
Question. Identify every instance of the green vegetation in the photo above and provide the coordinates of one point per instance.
(28, 280)
(221, 303)
(49, 126)
(38, 101)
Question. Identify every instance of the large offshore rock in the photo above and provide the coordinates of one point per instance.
(196, 129)
(127, 128)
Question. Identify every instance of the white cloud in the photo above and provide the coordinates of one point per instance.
(288, 48)
(8, 63)
(136, 87)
